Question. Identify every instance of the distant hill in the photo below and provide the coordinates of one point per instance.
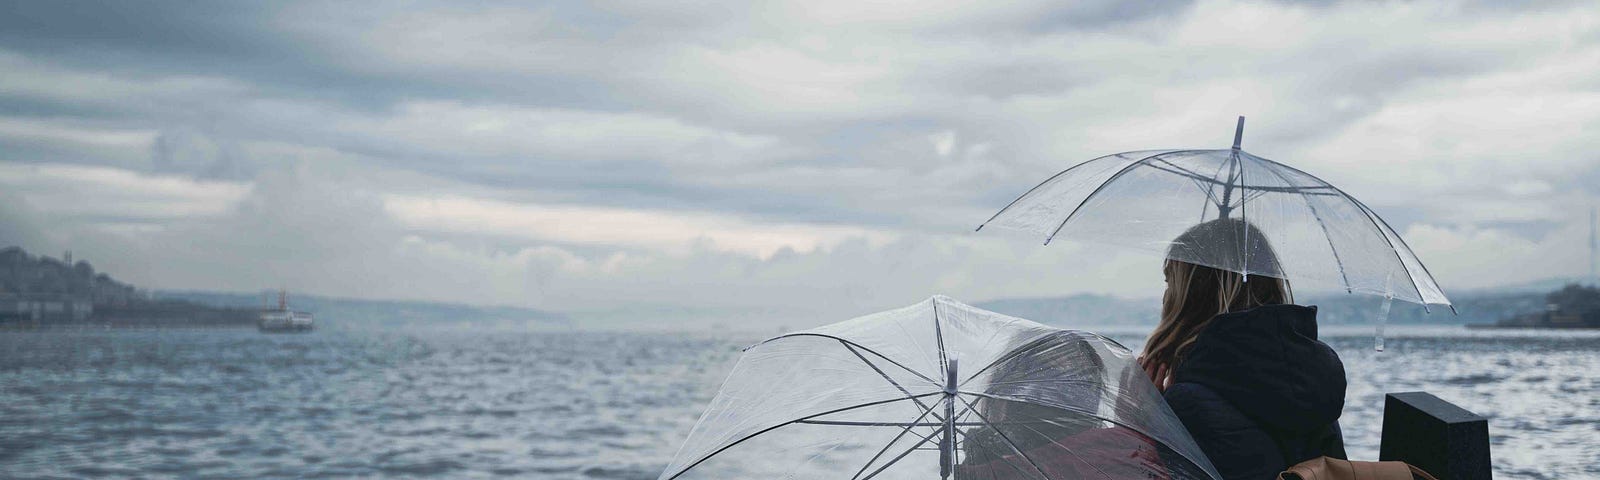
(42, 291)
(359, 312)
(1478, 306)
(23, 275)
(1542, 286)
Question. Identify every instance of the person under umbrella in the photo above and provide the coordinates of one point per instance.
(1067, 369)
(1141, 200)
(938, 389)
(1239, 363)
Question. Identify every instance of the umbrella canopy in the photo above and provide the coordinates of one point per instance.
(938, 389)
(1232, 210)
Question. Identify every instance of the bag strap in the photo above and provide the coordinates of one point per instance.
(1306, 470)
(1419, 473)
(1326, 468)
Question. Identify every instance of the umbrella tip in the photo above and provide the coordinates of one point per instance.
(1238, 133)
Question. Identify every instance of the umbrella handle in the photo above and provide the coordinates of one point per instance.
(1383, 318)
(1383, 313)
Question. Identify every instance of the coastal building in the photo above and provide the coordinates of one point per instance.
(41, 290)
(45, 292)
(45, 308)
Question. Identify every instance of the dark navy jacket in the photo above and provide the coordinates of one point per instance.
(1259, 392)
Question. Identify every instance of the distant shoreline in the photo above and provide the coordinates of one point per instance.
(93, 326)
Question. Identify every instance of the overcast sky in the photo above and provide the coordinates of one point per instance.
(587, 155)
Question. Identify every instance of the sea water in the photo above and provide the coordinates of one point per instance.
(469, 403)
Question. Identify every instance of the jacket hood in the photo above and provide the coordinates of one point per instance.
(1268, 363)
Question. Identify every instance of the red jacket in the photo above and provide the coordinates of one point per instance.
(1115, 452)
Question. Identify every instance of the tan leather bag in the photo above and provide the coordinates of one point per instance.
(1329, 468)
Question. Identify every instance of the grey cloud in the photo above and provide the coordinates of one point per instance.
(190, 152)
(798, 115)
(18, 225)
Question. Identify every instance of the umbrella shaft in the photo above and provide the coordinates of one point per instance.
(947, 444)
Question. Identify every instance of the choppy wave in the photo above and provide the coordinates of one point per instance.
(481, 404)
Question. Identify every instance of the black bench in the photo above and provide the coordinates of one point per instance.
(1445, 440)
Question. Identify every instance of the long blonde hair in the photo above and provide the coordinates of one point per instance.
(1197, 293)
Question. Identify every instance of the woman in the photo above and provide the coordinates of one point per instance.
(1238, 362)
(1064, 375)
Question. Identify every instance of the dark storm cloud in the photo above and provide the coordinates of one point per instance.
(289, 49)
(308, 53)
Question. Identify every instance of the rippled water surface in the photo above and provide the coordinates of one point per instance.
(472, 404)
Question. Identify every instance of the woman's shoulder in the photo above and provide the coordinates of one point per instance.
(1237, 446)
(1199, 406)
(1268, 363)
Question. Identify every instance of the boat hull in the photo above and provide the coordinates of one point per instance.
(285, 321)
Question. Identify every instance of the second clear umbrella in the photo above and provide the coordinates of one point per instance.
(938, 390)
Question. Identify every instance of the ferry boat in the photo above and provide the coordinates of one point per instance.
(284, 320)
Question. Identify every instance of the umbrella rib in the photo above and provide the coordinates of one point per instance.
(784, 424)
(1211, 193)
(1102, 186)
(1337, 260)
(1002, 458)
(1244, 215)
(1375, 219)
(1028, 382)
(883, 374)
(1300, 190)
(1184, 172)
(1199, 179)
(1003, 436)
(964, 437)
(1082, 412)
(897, 458)
(842, 423)
(813, 457)
(925, 439)
(1046, 182)
(1226, 205)
(1370, 218)
(1201, 183)
(1014, 354)
(938, 335)
(896, 438)
(915, 342)
(1174, 168)
(1262, 188)
(847, 342)
(1057, 442)
(959, 423)
(1254, 193)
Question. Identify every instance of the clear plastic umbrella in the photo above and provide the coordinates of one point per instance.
(938, 390)
(1145, 200)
